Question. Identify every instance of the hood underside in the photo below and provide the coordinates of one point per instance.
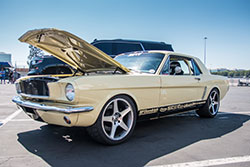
(72, 50)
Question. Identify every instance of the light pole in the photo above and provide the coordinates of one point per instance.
(205, 50)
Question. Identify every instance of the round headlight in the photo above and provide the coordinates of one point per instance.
(70, 92)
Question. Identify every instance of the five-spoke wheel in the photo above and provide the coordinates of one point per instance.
(116, 121)
(214, 102)
(211, 108)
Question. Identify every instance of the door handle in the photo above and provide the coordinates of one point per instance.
(197, 78)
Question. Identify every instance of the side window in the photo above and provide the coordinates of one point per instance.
(119, 48)
(180, 66)
(184, 64)
(196, 69)
(105, 47)
(157, 46)
(57, 70)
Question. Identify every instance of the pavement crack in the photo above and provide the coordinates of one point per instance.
(7, 158)
(1, 163)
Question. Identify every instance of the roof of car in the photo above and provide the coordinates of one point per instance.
(128, 40)
(170, 53)
(146, 45)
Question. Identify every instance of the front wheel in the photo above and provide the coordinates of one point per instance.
(116, 121)
(211, 108)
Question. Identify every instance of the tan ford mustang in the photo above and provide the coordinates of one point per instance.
(109, 95)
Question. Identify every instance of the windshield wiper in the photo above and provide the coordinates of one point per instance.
(118, 69)
(138, 71)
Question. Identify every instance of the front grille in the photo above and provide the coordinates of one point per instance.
(36, 86)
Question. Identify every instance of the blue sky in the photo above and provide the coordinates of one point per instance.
(182, 23)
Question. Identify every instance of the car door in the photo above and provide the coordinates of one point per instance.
(179, 82)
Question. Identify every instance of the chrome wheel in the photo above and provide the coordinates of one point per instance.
(211, 107)
(214, 102)
(117, 119)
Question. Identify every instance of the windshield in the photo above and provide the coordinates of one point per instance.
(141, 62)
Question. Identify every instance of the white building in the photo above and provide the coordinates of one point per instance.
(5, 57)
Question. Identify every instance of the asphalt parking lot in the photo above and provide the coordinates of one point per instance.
(182, 140)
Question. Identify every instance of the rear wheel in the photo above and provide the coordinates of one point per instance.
(116, 122)
(211, 108)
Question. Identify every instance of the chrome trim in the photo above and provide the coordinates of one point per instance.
(68, 110)
(34, 96)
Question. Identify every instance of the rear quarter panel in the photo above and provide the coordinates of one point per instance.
(213, 81)
(210, 82)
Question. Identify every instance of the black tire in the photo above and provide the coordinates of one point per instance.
(211, 108)
(116, 121)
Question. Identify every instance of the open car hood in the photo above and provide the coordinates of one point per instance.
(72, 50)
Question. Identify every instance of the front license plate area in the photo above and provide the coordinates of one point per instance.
(32, 113)
(33, 116)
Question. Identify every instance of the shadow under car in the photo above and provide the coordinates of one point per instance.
(61, 146)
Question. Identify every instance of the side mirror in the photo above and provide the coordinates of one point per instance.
(177, 70)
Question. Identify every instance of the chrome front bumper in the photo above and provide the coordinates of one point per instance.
(66, 110)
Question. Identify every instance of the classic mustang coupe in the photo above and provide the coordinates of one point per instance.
(109, 95)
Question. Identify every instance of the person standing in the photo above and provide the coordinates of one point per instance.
(11, 77)
(15, 76)
(2, 76)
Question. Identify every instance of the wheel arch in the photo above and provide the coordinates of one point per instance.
(217, 88)
(211, 89)
(130, 97)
